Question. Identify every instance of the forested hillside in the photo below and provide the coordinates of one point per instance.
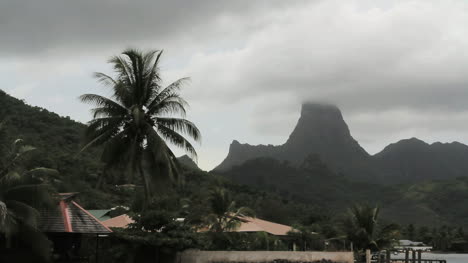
(57, 141)
(431, 203)
(288, 193)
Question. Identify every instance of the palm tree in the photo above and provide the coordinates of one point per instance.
(135, 123)
(22, 192)
(362, 228)
(225, 215)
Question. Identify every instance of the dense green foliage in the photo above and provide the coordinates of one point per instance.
(22, 192)
(57, 141)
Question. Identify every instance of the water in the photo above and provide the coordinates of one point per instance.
(451, 258)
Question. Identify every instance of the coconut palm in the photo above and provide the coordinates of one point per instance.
(135, 123)
(225, 215)
(362, 228)
(22, 192)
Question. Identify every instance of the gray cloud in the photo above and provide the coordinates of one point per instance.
(89, 26)
(396, 68)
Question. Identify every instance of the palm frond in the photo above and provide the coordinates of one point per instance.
(152, 76)
(181, 125)
(177, 140)
(35, 195)
(123, 69)
(105, 79)
(100, 131)
(168, 92)
(23, 212)
(9, 180)
(101, 101)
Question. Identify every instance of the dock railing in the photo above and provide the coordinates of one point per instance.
(416, 257)
(395, 260)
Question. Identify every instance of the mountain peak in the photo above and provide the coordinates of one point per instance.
(320, 130)
(188, 163)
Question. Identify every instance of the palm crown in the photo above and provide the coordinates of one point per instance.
(135, 123)
(225, 215)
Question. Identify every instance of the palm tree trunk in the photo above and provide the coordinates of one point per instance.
(145, 184)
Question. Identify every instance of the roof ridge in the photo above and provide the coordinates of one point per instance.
(88, 213)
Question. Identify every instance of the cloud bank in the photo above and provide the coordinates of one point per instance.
(397, 69)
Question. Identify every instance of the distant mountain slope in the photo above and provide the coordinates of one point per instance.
(413, 160)
(188, 163)
(430, 203)
(320, 130)
(311, 182)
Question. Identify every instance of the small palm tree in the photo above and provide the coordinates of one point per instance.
(22, 192)
(135, 123)
(225, 215)
(362, 228)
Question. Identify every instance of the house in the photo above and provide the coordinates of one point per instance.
(71, 228)
(105, 214)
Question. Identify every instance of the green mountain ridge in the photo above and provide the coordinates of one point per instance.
(280, 191)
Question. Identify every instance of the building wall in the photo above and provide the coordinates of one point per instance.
(196, 256)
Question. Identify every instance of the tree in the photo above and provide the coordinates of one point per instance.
(22, 192)
(135, 123)
(225, 215)
(361, 228)
(411, 232)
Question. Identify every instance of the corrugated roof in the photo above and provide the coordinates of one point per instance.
(121, 221)
(69, 217)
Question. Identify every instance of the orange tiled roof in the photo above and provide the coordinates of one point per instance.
(258, 225)
(121, 221)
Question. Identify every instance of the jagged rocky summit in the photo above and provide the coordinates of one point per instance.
(321, 131)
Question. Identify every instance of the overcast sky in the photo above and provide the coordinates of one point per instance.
(397, 69)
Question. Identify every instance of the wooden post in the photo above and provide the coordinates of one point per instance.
(414, 256)
(368, 256)
(406, 256)
(387, 258)
(419, 256)
(97, 248)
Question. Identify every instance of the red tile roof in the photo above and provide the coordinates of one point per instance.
(69, 217)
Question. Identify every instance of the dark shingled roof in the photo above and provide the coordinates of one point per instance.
(69, 217)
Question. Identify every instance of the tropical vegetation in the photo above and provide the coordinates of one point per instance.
(23, 191)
